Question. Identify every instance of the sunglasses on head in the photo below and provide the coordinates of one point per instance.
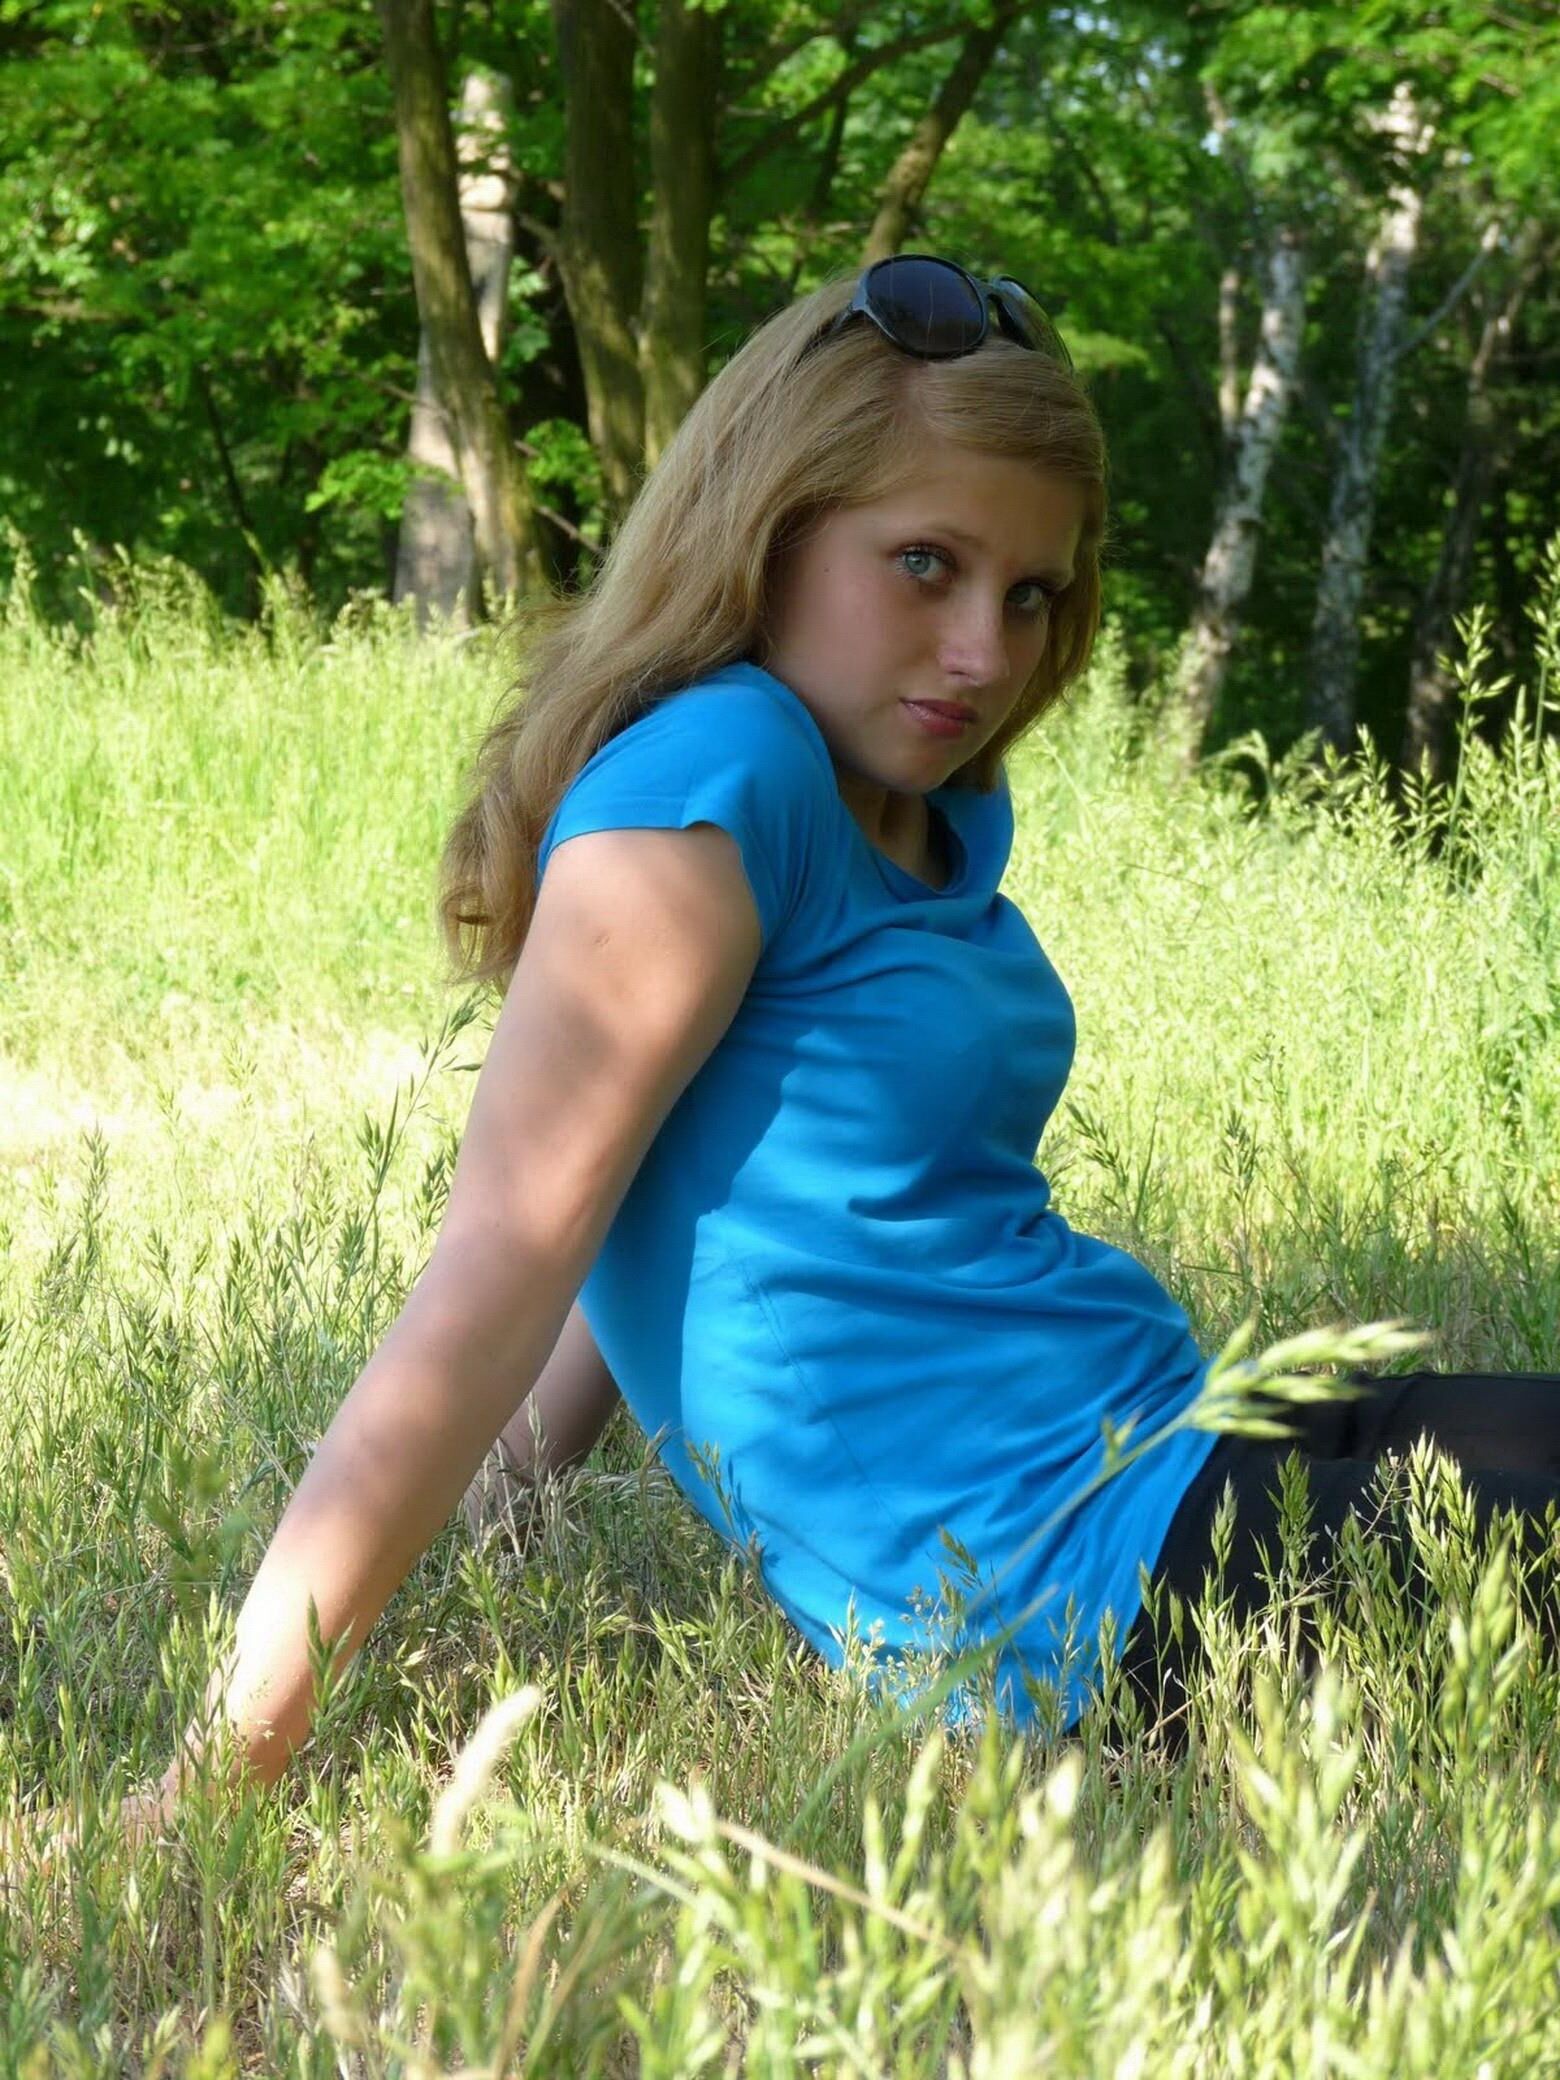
(938, 311)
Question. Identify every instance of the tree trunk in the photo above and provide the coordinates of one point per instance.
(435, 559)
(1231, 559)
(902, 192)
(254, 570)
(682, 182)
(598, 245)
(1335, 628)
(1430, 684)
(503, 523)
(1229, 351)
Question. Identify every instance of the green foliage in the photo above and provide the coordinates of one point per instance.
(208, 333)
(206, 323)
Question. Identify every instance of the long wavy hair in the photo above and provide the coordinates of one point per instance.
(779, 438)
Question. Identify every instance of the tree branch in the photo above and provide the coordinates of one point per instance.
(905, 188)
(1109, 223)
(1198, 390)
(846, 29)
(230, 478)
(842, 28)
(846, 84)
(1456, 293)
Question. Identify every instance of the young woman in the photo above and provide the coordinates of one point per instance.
(754, 1142)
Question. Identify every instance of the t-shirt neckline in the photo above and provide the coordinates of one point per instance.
(897, 877)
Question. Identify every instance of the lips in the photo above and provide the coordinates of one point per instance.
(954, 710)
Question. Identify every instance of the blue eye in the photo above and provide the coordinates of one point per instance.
(910, 558)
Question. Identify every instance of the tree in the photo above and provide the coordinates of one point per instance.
(1335, 630)
(1230, 561)
(913, 169)
(1380, 83)
(598, 244)
(503, 521)
(209, 322)
(201, 318)
(1428, 723)
(684, 101)
(435, 561)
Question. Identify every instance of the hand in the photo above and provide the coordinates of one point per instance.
(42, 1837)
(145, 1814)
(32, 1839)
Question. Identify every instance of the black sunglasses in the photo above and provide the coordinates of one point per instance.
(938, 311)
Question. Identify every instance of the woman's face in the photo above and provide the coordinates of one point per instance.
(939, 592)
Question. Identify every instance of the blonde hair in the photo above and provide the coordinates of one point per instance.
(780, 437)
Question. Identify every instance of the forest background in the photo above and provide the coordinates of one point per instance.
(297, 287)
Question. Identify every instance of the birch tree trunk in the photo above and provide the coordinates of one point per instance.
(1335, 627)
(1229, 351)
(503, 522)
(435, 554)
(598, 245)
(1430, 688)
(683, 100)
(906, 185)
(1231, 559)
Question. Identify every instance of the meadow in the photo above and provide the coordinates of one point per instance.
(586, 1805)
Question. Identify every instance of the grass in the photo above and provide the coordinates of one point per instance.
(1318, 1082)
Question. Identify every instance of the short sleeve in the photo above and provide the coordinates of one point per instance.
(737, 750)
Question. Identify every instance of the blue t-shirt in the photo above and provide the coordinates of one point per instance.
(835, 1291)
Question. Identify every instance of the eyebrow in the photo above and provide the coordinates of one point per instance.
(1054, 574)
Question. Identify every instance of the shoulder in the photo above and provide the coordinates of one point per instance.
(735, 748)
(738, 710)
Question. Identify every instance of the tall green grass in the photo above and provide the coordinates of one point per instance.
(1318, 1081)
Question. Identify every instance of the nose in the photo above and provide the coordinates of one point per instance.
(973, 639)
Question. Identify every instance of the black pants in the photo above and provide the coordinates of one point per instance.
(1503, 1429)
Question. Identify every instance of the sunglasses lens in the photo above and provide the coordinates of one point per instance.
(928, 306)
(1029, 320)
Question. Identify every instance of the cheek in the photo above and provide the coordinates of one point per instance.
(1032, 645)
(853, 602)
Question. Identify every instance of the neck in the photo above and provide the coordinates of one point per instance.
(887, 818)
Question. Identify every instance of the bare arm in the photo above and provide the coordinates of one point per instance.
(554, 1428)
(640, 951)
(572, 1403)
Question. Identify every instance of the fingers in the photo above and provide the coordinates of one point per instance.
(36, 1841)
